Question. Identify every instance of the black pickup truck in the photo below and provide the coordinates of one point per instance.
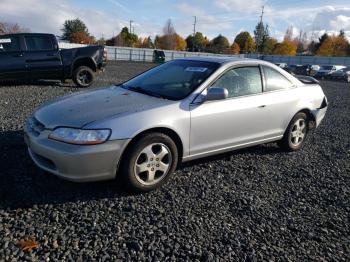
(37, 56)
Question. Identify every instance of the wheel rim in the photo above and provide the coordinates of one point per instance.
(152, 164)
(298, 132)
(84, 77)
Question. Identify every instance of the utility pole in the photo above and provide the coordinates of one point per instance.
(262, 14)
(131, 21)
(261, 31)
(194, 31)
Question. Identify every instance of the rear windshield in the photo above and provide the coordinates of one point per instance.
(173, 80)
(38, 43)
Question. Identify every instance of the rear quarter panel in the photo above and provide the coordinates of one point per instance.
(311, 96)
(70, 56)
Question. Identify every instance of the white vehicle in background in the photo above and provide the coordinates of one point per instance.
(282, 65)
(342, 74)
(314, 69)
(326, 71)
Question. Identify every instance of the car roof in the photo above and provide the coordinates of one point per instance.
(18, 34)
(219, 59)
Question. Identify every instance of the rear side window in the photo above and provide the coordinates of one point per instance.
(275, 80)
(9, 43)
(38, 43)
(241, 81)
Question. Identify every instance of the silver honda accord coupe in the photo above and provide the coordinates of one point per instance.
(178, 111)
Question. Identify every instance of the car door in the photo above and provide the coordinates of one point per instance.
(42, 57)
(236, 121)
(12, 63)
(281, 100)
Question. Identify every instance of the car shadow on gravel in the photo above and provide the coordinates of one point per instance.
(23, 185)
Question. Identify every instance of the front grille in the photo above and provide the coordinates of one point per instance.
(34, 126)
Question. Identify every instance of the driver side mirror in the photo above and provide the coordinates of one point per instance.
(216, 93)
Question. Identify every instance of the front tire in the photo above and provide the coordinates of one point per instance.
(149, 162)
(83, 76)
(295, 135)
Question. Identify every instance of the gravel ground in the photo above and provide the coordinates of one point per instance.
(252, 204)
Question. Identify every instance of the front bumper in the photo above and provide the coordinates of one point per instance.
(79, 163)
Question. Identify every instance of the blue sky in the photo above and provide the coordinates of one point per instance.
(227, 17)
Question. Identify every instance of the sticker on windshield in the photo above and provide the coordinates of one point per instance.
(196, 69)
(5, 41)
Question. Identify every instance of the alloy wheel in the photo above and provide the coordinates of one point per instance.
(152, 164)
(298, 132)
(84, 77)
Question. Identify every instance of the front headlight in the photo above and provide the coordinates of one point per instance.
(80, 136)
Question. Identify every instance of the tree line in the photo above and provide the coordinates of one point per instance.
(75, 31)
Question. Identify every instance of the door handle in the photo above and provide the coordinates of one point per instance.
(262, 106)
(18, 55)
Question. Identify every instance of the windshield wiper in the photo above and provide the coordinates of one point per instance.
(143, 91)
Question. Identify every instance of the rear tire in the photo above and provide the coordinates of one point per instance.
(296, 132)
(83, 76)
(149, 162)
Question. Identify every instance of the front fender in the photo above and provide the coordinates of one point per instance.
(128, 126)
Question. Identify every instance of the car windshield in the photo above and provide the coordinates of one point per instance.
(326, 67)
(173, 80)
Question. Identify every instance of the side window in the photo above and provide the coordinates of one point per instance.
(38, 43)
(9, 44)
(241, 81)
(275, 80)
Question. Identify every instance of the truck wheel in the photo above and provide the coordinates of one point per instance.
(83, 76)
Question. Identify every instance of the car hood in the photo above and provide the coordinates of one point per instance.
(80, 109)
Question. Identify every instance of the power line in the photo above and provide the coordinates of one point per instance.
(227, 21)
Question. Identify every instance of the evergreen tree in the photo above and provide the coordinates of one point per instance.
(71, 27)
(261, 34)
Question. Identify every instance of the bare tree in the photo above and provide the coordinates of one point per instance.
(9, 28)
(305, 41)
(169, 28)
(289, 34)
(169, 37)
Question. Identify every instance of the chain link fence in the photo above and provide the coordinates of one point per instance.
(146, 55)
